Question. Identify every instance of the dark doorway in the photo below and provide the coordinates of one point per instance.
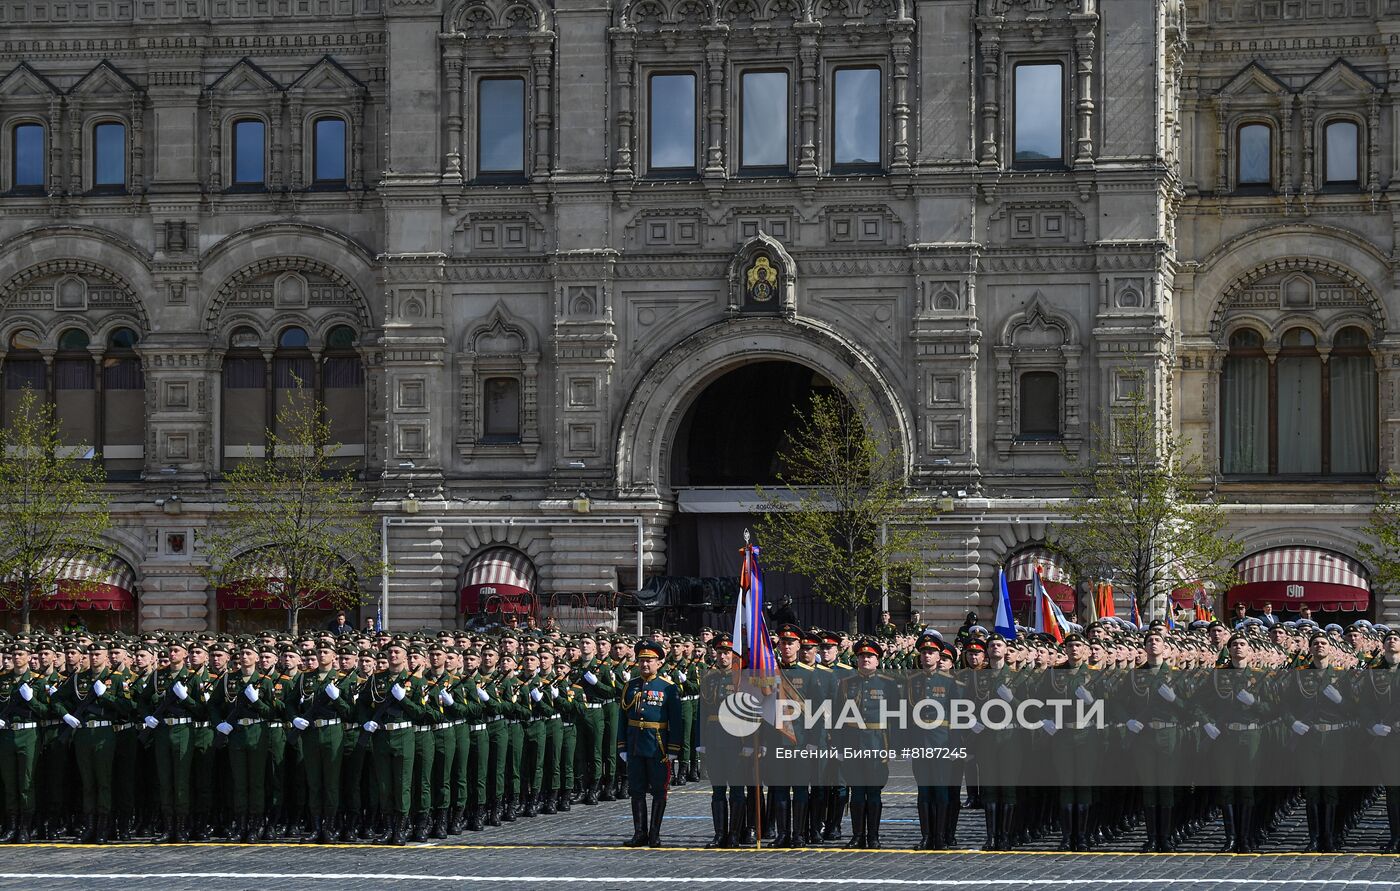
(732, 434)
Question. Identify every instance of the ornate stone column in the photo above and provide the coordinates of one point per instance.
(900, 41)
(716, 56)
(807, 38)
(624, 45)
(541, 45)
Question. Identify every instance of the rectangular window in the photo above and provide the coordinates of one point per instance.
(1255, 155)
(856, 121)
(671, 122)
(1039, 114)
(109, 155)
(28, 171)
(1040, 405)
(500, 125)
(1299, 414)
(501, 422)
(764, 120)
(1341, 152)
(248, 155)
(329, 136)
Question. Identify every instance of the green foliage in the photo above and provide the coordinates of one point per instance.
(1383, 528)
(294, 526)
(52, 507)
(840, 485)
(1137, 516)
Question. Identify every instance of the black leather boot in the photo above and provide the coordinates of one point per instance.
(1244, 830)
(924, 807)
(799, 822)
(313, 832)
(1227, 819)
(420, 828)
(605, 790)
(474, 819)
(439, 827)
(639, 822)
(547, 803)
(736, 821)
(493, 814)
(328, 833)
(1326, 823)
(1081, 823)
(590, 794)
(1164, 830)
(532, 807)
(565, 802)
(872, 824)
(1149, 844)
(938, 827)
(658, 810)
(1066, 827)
(719, 816)
(989, 818)
(1006, 827)
(782, 822)
(103, 822)
(857, 827)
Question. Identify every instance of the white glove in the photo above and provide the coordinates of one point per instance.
(371, 726)
(150, 722)
(1004, 692)
(1049, 727)
(1380, 729)
(3, 724)
(680, 675)
(332, 692)
(72, 721)
(1299, 727)
(445, 698)
(1134, 725)
(623, 756)
(99, 688)
(225, 728)
(26, 693)
(52, 689)
(590, 677)
(1245, 696)
(626, 675)
(1084, 695)
(978, 726)
(398, 692)
(1166, 693)
(482, 694)
(553, 693)
(250, 693)
(536, 695)
(1212, 731)
(179, 690)
(300, 723)
(1332, 693)
(700, 749)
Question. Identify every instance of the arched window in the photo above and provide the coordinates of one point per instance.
(249, 153)
(1351, 403)
(109, 156)
(1297, 415)
(343, 387)
(244, 403)
(294, 380)
(328, 151)
(24, 369)
(123, 430)
(1254, 156)
(1341, 158)
(27, 157)
(75, 394)
(1244, 405)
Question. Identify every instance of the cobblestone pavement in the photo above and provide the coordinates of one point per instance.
(583, 849)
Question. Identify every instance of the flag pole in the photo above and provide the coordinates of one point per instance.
(757, 783)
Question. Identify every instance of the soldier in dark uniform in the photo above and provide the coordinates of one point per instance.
(1234, 705)
(23, 704)
(1380, 691)
(933, 684)
(727, 810)
(1155, 703)
(170, 703)
(834, 791)
(652, 711)
(790, 802)
(1316, 699)
(869, 691)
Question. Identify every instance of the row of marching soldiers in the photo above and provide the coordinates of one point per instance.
(352, 738)
(1176, 699)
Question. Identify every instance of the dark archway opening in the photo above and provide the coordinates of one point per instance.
(734, 431)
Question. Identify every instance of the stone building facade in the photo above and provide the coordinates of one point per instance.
(513, 245)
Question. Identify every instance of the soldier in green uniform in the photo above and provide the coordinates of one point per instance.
(23, 704)
(318, 702)
(650, 745)
(396, 698)
(549, 715)
(201, 747)
(241, 703)
(570, 707)
(512, 703)
(170, 702)
(479, 754)
(428, 717)
(1154, 702)
(438, 683)
(55, 751)
(359, 792)
(279, 663)
(596, 686)
(87, 704)
(125, 745)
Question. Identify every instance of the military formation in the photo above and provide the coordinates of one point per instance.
(369, 738)
(384, 739)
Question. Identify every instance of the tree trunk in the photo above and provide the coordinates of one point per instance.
(292, 616)
(853, 622)
(24, 613)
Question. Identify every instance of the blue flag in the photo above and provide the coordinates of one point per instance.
(1005, 625)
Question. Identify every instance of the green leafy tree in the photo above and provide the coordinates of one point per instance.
(294, 529)
(843, 515)
(1138, 516)
(53, 507)
(1383, 529)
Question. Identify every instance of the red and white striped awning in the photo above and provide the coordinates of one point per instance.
(260, 587)
(499, 580)
(101, 583)
(1054, 574)
(1290, 577)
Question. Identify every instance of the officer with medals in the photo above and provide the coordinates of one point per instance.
(870, 693)
(790, 802)
(931, 691)
(650, 743)
(830, 798)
